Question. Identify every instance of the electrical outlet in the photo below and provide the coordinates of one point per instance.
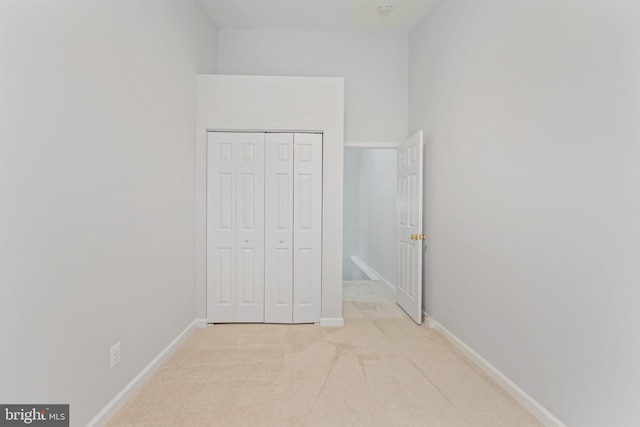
(115, 354)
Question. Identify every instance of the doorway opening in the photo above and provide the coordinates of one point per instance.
(369, 236)
(383, 235)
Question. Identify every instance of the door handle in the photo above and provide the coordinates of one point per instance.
(418, 237)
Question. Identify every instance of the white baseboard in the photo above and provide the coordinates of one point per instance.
(125, 394)
(368, 271)
(201, 323)
(332, 322)
(528, 402)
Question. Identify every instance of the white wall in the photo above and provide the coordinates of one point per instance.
(97, 210)
(530, 111)
(279, 103)
(374, 67)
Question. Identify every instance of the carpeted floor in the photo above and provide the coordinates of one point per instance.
(380, 369)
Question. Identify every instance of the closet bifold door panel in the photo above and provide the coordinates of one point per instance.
(264, 227)
(278, 294)
(307, 223)
(235, 227)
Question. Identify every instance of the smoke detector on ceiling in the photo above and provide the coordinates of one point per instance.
(385, 9)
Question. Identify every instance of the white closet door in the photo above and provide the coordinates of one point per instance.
(221, 227)
(250, 222)
(307, 236)
(278, 228)
(235, 227)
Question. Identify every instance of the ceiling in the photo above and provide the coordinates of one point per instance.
(316, 15)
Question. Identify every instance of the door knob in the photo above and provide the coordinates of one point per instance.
(281, 240)
(246, 240)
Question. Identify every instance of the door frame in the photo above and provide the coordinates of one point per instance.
(381, 145)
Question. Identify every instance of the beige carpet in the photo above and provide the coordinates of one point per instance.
(381, 369)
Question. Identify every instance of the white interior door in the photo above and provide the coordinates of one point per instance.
(307, 236)
(409, 222)
(235, 227)
(278, 296)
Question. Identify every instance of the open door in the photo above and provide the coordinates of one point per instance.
(409, 222)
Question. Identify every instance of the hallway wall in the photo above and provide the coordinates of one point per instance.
(350, 214)
(370, 209)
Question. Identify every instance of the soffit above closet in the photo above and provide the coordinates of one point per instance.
(316, 15)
